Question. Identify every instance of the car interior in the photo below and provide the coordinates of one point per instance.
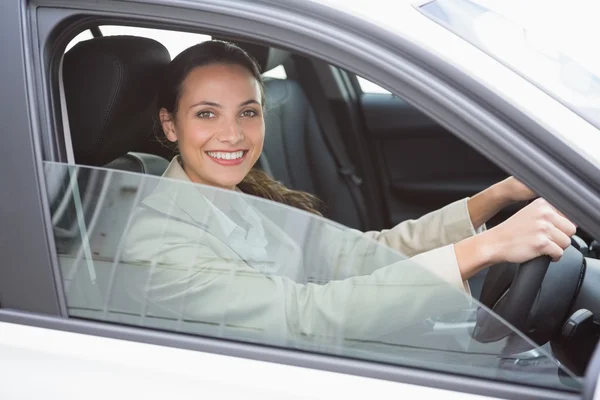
(373, 159)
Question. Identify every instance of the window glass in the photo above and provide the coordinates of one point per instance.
(276, 73)
(166, 254)
(174, 41)
(554, 51)
(85, 35)
(369, 87)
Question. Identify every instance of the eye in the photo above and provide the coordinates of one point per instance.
(206, 114)
(248, 113)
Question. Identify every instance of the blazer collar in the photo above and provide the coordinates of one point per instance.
(180, 197)
(177, 196)
(191, 197)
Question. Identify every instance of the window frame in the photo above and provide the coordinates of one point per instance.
(41, 127)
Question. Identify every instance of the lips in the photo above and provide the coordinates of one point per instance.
(227, 158)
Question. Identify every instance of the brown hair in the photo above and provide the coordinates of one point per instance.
(256, 182)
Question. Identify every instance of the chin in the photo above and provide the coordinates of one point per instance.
(228, 182)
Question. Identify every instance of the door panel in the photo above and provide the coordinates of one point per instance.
(423, 166)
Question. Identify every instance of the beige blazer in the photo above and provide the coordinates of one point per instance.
(363, 284)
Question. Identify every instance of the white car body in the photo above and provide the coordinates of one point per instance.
(38, 362)
(49, 364)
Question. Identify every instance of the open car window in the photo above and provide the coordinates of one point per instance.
(165, 254)
(174, 41)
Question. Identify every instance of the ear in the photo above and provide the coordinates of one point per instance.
(167, 122)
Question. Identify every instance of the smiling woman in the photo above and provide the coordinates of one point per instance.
(211, 106)
(216, 121)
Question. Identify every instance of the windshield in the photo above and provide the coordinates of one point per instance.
(552, 44)
(166, 254)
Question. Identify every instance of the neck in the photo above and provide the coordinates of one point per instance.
(196, 179)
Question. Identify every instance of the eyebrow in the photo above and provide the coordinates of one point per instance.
(213, 104)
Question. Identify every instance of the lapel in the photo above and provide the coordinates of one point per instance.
(177, 196)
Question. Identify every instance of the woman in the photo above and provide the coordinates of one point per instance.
(209, 258)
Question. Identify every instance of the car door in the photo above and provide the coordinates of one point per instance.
(132, 368)
(32, 283)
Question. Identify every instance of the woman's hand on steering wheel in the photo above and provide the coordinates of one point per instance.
(536, 230)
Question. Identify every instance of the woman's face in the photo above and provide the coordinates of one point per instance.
(219, 125)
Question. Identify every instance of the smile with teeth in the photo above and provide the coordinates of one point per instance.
(222, 155)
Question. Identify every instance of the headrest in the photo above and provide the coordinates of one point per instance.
(110, 85)
(266, 57)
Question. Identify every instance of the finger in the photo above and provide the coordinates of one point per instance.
(562, 223)
(542, 203)
(556, 210)
(553, 250)
(559, 237)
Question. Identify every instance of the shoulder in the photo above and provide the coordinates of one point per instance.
(159, 214)
(153, 233)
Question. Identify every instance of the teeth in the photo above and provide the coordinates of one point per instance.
(226, 156)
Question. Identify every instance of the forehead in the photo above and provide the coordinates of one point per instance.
(221, 81)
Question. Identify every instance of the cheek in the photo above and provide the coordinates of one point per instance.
(195, 134)
(255, 132)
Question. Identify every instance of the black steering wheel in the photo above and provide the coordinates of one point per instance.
(534, 297)
(525, 286)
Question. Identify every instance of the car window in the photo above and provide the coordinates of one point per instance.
(367, 86)
(85, 35)
(167, 254)
(276, 73)
(174, 41)
(553, 52)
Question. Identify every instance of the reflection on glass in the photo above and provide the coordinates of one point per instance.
(544, 51)
(154, 252)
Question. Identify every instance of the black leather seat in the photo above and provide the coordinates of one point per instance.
(110, 85)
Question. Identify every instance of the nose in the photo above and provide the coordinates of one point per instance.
(231, 132)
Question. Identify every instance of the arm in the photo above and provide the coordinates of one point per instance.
(205, 283)
(487, 203)
(536, 230)
(439, 228)
(454, 222)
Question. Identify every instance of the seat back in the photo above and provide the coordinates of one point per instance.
(298, 154)
(110, 85)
